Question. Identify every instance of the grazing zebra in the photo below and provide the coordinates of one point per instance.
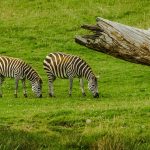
(69, 66)
(18, 69)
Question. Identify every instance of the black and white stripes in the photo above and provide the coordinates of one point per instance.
(18, 69)
(69, 66)
(60, 65)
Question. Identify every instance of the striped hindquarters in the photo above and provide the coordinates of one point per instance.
(9, 66)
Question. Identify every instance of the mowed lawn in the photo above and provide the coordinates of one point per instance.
(118, 120)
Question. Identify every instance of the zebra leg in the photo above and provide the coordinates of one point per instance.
(82, 86)
(70, 87)
(16, 87)
(24, 87)
(1, 81)
(51, 88)
(70, 72)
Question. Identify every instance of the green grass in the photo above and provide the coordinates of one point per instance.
(120, 118)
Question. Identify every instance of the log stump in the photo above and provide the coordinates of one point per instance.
(119, 40)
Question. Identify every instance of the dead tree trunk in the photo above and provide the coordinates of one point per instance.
(118, 40)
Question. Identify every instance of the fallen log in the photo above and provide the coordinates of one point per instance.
(121, 41)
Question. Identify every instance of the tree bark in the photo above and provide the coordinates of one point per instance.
(121, 41)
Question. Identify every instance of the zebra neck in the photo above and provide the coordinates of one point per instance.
(89, 75)
(30, 74)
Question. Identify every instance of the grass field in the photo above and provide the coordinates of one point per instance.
(118, 120)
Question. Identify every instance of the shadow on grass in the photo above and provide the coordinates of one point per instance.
(21, 140)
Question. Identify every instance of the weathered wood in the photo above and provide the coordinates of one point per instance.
(121, 41)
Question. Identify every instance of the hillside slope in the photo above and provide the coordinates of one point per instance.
(119, 119)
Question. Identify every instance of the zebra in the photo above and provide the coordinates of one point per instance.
(67, 66)
(19, 70)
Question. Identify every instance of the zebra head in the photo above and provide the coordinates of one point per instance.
(37, 87)
(93, 87)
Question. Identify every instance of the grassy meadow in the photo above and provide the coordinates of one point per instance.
(118, 120)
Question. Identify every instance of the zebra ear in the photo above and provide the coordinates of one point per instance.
(97, 77)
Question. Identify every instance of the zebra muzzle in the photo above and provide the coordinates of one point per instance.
(40, 96)
(96, 95)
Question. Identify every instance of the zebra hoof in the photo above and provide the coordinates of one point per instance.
(15, 95)
(0, 95)
(50, 95)
(83, 94)
(70, 95)
(25, 95)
